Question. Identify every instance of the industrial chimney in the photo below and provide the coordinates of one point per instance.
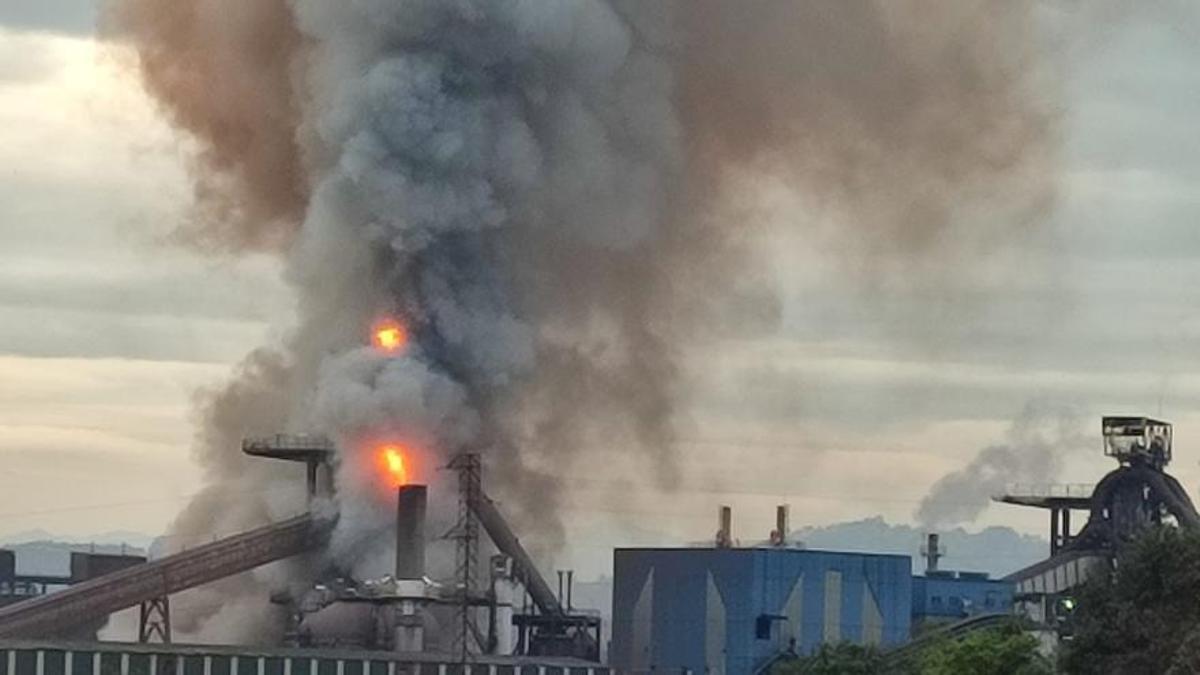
(779, 534)
(408, 616)
(410, 531)
(725, 527)
(932, 551)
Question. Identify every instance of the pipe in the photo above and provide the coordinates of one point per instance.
(508, 544)
(724, 527)
(781, 524)
(523, 568)
(410, 531)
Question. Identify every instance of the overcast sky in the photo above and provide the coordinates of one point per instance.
(855, 406)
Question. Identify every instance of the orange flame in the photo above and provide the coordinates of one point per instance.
(391, 458)
(389, 336)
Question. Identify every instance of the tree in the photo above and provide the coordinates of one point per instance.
(1003, 650)
(836, 659)
(1142, 615)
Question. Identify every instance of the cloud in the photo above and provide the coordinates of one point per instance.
(110, 433)
(25, 59)
(76, 17)
(92, 178)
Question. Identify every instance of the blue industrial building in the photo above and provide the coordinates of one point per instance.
(727, 610)
(944, 596)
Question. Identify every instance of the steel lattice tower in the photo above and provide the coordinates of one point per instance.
(154, 621)
(466, 536)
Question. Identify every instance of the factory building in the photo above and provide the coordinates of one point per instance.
(727, 610)
(15, 586)
(943, 596)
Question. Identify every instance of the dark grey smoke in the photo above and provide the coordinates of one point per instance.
(1033, 451)
(551, 196)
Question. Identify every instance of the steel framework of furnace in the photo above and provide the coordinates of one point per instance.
(466, 536)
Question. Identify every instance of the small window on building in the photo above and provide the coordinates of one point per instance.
(762, 627)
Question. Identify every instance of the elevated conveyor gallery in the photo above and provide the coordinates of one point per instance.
(110, 593)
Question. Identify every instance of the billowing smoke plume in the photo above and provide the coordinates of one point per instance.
(227, 73)
(1033, 451)
(540, 192)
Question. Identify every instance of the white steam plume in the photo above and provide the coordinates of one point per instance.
(1033, 452)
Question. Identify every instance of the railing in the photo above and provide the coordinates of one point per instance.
(1063, 490)
(288, 442)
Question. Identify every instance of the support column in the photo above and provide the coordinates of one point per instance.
(1054, 542)
(154, 621)
(1066, 527)
(311, 477)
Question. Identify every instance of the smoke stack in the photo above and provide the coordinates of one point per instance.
(932, 552)
(779, 534)
(410, 531)
(725, 527)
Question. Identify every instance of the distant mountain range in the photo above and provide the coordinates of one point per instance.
(996, 550)
(111, 538)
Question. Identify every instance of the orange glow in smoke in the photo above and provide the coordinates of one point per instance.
(391, 459)
(389, 336)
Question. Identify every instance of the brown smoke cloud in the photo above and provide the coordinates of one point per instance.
(224, 71)
(916, 127)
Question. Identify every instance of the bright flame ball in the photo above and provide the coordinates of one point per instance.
(391, 459)
(389, 337)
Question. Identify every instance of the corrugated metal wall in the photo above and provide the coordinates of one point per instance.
(726, 610)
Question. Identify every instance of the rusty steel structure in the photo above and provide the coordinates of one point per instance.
(96, 599)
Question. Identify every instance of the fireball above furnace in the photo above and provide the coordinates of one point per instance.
(389, 336)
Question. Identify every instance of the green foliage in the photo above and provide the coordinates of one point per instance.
(836, 659)
(1143, 616)
(1004, 650)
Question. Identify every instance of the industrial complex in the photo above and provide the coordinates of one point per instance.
(364, 320)
(720, 608)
